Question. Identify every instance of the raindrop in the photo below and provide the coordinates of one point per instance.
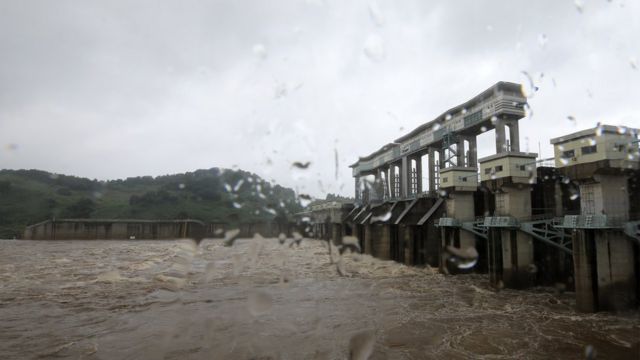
(622, 130)
(237, 205)
(436, 126)
(382, 218)
(280, 91)
(228, 188)
(11, 147)
(464, 111)
(579, 5)
(592, 141)
(376, 14)
(301, 165)
(238, 264)
(532, 87)
(340, 267)
(489, 28)
(447, 117)
(349, 243)
(633, 63)
(181, 186)
(238, 185)
(97, 194)
(542, 40)
(259, 303)
(532, 269)
(566, 180)
(282, 238)
(590, 352)
(230, 236)
(560, 287)
(463, 258)
(260, 51)
(572, 119)
(361, 345)
(561, 147)
(564, 161)
(374, 48)
(494, 120)
(574, 196)
(304, 199)
(599, 130)
(483, 128)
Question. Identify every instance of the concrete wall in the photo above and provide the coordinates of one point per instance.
(113, 229)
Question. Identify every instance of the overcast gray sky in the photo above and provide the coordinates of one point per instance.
(111, 89)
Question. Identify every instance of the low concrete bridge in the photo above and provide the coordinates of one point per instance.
(570, 221)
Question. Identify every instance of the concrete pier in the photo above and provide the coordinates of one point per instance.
(605, 258)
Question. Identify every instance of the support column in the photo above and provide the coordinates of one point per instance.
(501, 145)
(405, 171)
(604, 266)
(460, 152)
(419, 174)
(392, 180)
(517, 247)
(514, 136)
(431, 163)
(473, 151)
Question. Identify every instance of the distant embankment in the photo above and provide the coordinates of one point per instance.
(136, 229)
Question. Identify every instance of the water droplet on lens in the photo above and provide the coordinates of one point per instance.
(494, 120)
(448, 117)
(599, 130)
(376, 14)
(633, 63)
(374, 48)
(260, 51)
(589, 352)
(301, 165)
(622, 130)
(574, 196)
(532, 268)
(579, 5)
(237, 205)
(436, 126)
(361, 345)
(542, 40)
(230, 236)
(259, 303)
(382, 218)
(181, 186)
(483, 128)
(462, 258)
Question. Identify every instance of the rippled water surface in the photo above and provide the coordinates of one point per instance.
(262, 300)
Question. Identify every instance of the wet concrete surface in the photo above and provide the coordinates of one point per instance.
(261, 300)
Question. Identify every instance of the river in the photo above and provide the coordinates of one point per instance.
(259, 299)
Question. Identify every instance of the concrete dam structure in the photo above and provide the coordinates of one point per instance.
(572, 221)
(117, 229)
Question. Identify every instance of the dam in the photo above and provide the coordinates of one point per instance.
(571, 221)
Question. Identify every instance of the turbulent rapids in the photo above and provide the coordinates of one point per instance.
(261, 299)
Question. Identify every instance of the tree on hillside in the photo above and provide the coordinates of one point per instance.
(81, 209)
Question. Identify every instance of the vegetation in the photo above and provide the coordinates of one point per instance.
(213, 195)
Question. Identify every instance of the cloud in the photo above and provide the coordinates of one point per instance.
(114, 89)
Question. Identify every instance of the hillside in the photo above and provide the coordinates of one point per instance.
(221, 195)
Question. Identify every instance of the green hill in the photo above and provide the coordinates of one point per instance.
(220, 195)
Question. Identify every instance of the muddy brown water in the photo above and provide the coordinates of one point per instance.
(262, 300)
